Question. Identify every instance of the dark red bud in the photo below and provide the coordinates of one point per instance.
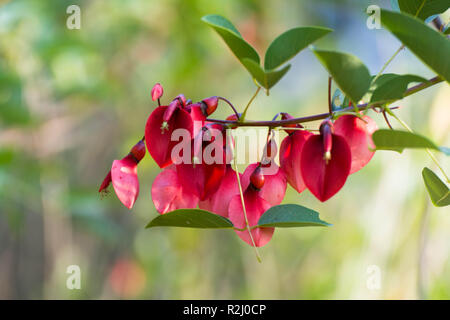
(287, 116)
(270, 151)
(210, 105)
(326, 131)
(257, 178)
(182, 99)
(233, 117)
(168, 113)
(157, 91)
(138, 151)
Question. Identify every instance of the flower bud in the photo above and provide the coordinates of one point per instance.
(270, 152)
(257, 178)
(157, 91)
(182, 99)
(210, 105)
(138, 151)
(287, 116)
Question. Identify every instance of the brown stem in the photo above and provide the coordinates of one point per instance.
(360, 107)
(231, 105)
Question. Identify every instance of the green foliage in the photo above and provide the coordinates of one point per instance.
(429, 45)
(291, 42)
(391, 87)
(283, 48)
(241, 49)
(350, 74)
(289, 216)
(438, 191)
(267, 79)
(190, 218)
(397, 140)
(423, 8)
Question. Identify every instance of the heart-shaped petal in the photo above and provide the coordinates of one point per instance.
(358, 134)
(324, 178)
(255, 207)
(125, 180)
(290, 152)
(158, 134)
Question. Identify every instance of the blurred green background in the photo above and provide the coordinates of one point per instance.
(72, 101)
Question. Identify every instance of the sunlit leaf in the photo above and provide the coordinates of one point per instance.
(438, 191)
(349, 73)
(393, 88)
(429, 45)
(191, 218)
(423, 8)
(397, 140)
(291, 216)
(291, 42)
(240, 48)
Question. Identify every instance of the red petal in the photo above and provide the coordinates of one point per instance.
(219, 201)
(290, 151)
(255, 207)
(358, 135)
(168, 194)
(322, 179)
(275, 184)
(125, 180)
(158, 141)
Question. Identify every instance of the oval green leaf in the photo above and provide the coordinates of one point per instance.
(392, 88)
(438, 191)
(431, 46)
(191, 218)
(291, 216)
(240, 48)
(291, 42)
(396, 140)
(349, 73)
(423, 8)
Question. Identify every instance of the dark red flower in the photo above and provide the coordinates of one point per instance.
(255, 206)
(325, 162)
(160, 126)
(290, 152)
(123, 176)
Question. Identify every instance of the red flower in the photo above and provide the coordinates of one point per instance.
(123, 176)
(290, 152)
(162, 122)
(168, 193)
(219, 201)
(275, 184)
(255, 206)
(325, 162)
(358, 134)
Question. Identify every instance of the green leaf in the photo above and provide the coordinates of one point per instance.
(191, 218)
(266, 79)
(431, 46)
(349, 73)
(423, 8)
(396, 140)
(291, 42)
(438, 191)
(393, 87)
(290, 216)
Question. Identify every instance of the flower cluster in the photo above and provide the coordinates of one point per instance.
(319, 162)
